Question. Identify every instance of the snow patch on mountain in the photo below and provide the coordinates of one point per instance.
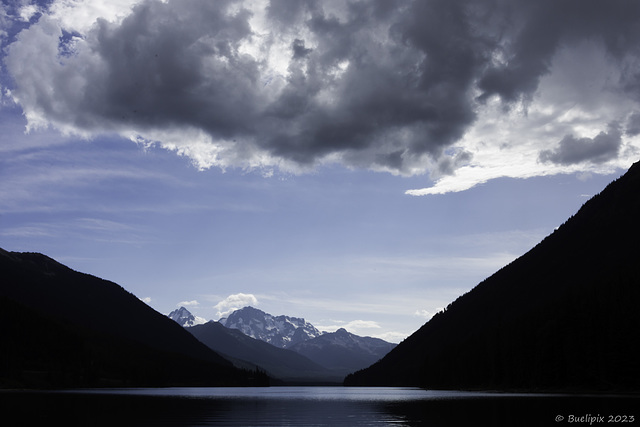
(280, 331)
(184, 318)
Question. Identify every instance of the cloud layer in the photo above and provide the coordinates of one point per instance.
(235, 302)
(404, 87)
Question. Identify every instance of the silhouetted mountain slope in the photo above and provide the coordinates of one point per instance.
(92, 345)
(342, 351)
(563, 316)
(283, 364)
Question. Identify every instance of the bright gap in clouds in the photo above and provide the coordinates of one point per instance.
(576, 123)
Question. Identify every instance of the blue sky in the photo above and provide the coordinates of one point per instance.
(359, 164)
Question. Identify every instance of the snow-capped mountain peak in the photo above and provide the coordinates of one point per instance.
(184, 318)
(280, 331)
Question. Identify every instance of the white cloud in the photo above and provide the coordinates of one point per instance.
(391, 336)
(234, 302)
(368, 328)
(146, 300)
(80, 15)
(577, 99)
(423, 313)
(427, 314)
(193, 303)
(354, 326)
(27, 12)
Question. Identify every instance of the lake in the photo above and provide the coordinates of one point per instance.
(311, 406)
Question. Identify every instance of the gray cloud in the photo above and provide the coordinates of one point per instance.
(528, 34)
(448, 165)
(633, 124)
(380, 84)
(171, 64)
(299, 50)
(572, 150)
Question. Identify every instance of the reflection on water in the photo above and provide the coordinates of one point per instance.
(304, 406)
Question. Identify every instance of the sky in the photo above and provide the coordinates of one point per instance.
(360, 164)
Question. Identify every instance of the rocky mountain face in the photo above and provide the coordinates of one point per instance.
(339, 353)
(289, 349)
(280, 331)
(184, 318)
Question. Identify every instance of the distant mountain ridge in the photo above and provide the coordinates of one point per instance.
(561, 317)
(281, 331)
(184, 318)
(310, 355)
(343, 351)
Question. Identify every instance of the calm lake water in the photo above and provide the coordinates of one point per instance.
(311, 406)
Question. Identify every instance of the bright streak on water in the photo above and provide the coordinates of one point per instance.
(302, 406)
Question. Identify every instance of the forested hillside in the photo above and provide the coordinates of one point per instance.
(62, 328)
(564, 316)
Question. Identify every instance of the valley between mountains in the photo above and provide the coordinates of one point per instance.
(290, 350)
(562, 317)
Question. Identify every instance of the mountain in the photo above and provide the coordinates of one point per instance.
(283, 364)
(338, 353)
(280, 331)
(60, 329)
(342, 351)
(184, 318)
(564, 316)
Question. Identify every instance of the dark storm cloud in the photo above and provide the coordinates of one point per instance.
(299, 51)
(377, 84)
(633, 124)
(599, 149)
(169, 64)
(528, 34)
